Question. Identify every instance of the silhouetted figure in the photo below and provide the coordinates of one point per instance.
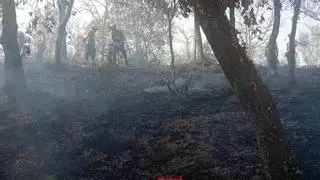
(118, 39)
(24, 43)
(90, 49)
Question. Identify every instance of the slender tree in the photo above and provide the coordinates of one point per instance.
(62, 28)
(171, 11)
(271, 52)
(291, 54)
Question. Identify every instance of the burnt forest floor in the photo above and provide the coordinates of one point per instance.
(85, 123)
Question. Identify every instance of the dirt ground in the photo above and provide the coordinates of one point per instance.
(86, 123)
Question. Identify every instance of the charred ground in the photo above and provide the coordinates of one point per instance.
(100, 124)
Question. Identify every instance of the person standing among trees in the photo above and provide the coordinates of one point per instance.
(118, 39)
(90, 48)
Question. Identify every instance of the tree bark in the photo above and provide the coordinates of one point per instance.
(232, 17)
(198, 47)
(14, 79)
(61, 32)
(272, 57)
(249, 88)
(292, 42)
(62, 5)
(64, 45)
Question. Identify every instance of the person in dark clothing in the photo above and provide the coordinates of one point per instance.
(90, 48)
(27, 49)
(118, 39)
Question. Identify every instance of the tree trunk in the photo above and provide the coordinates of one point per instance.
(187, 48)
(232, 17)
(198, 47)
(62, 13)
(64, 45)
(58, 49)
(171, 50)
(272, 57)
(292, 42)
(62, 30)
(14, 79)
(103, 43)
(249, 88)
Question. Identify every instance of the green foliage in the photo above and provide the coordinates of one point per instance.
(145, 28)
(43, 19)
(247, 8)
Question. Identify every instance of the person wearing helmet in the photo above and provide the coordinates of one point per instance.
(90, 48)
(118, 39)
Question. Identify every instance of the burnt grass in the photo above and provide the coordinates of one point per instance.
(85, 123)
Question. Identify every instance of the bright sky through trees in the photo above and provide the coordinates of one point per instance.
(187, 24)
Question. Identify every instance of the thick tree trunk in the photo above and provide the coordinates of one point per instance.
(272, 57)
(14, 79)
(62, 30)
(252, 92)
(292, 42)
(198, 47)
(58, 48)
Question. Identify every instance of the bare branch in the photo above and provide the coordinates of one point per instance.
(311, 9)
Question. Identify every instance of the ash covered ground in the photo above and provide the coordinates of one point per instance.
(106, 123)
